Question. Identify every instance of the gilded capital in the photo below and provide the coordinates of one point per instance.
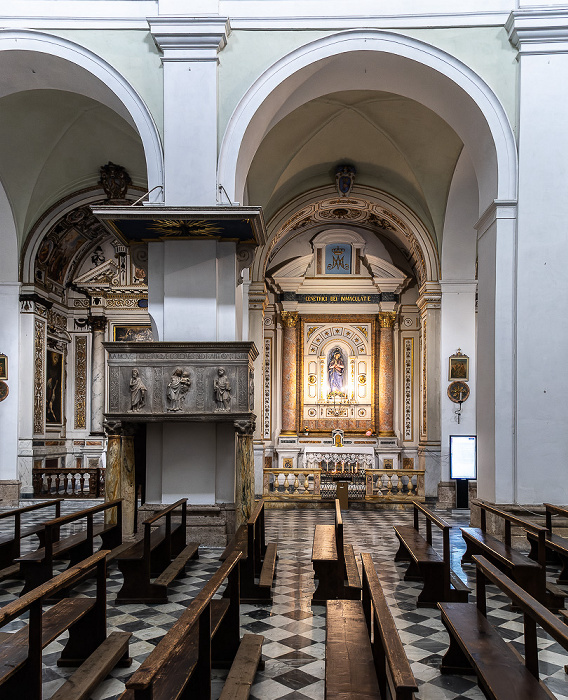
(289, 318)
(387, 319)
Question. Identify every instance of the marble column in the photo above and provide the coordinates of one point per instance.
(119, 475)
(289, 371)
(244, 489)
(386, 374)
(98, 326)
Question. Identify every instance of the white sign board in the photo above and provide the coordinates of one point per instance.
(463, 457)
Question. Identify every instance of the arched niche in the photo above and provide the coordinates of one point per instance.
(376, 60)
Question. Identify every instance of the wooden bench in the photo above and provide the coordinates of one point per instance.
(476, 647)
(259, 559)
(440, 582)
(529, 574)
(161, 554)
(205, 636)
(87, 645)
(555, 545)
(335, 566)
(10, 543)
(37, 567)
(356, 667)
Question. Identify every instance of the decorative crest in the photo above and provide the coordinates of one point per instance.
(344, 179)
(114, 181)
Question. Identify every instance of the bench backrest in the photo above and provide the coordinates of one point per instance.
(197, 613)
(52, 527)
(391, 663)
(533, 612)
(510, 519)
(339, 532)
(36, 506)
(166, 512)
(67, 579)
(553, 510)
(443, 526)
(256, 536)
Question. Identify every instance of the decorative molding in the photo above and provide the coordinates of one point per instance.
(39, 377)
(424, 426)
(190, 38)
(267, 389)
(538, 31)
(387, 319)
(408, 378)
(80, 382)
(289, 318)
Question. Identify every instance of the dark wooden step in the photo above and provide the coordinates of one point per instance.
(177, 565)
(243, 669)
(96, 668)
(268, 566)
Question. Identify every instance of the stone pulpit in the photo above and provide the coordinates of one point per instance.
(194, 386)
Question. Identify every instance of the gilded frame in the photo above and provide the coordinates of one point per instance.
(458, 368)
(3, 366)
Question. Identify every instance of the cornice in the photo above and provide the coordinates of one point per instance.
(498, 209)
(539, 31)
(190, 38)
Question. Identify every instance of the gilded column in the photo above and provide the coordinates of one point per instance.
(386, 374)
(244, 496)
(119, 474)
(98, 326)
(289, 371)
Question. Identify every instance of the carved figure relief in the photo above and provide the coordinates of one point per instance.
(177, 389)
(222, 390)
(137, 391)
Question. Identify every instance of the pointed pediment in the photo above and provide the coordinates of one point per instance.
(101, 274)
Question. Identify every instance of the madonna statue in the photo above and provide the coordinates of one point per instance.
(335, 370)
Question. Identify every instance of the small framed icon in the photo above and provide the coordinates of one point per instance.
(459, 367)
(3, 367)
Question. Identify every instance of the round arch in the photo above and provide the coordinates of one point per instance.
(405, 228)
(9, 257)
(68, 66)
(376, 60)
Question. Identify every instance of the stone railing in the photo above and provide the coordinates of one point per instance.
(339, 461)
(395, 484)
(291, 483)
(69, 483)
(388, 485)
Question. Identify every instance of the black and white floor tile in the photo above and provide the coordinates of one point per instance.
(294, 631)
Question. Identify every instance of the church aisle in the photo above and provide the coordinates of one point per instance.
(294, 632)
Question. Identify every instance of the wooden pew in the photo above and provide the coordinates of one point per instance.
(10, 543)
(87, 646)
(259, 559)
(555, 545)
(153, 555)
(476, 647)
(356, 667)
(529, 574)
(334, 563)
(37, 567)
(425, 564)
(207, 634)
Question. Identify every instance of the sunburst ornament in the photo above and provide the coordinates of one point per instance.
(169, 228)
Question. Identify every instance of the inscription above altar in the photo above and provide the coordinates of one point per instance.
(339, 298)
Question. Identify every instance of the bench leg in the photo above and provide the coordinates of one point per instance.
(563, 577)
(433, 589)
(402, 553)
(454, 660)
(136, 587)
(34, 574)
(470, 550)
(326, 575)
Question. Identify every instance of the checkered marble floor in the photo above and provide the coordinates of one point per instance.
(294, 631)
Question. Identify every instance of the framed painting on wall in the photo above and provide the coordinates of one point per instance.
(132, 334)
(3, 367)
(54, 388)
(459, 367)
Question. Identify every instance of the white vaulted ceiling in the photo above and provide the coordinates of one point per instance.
(396, 144)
